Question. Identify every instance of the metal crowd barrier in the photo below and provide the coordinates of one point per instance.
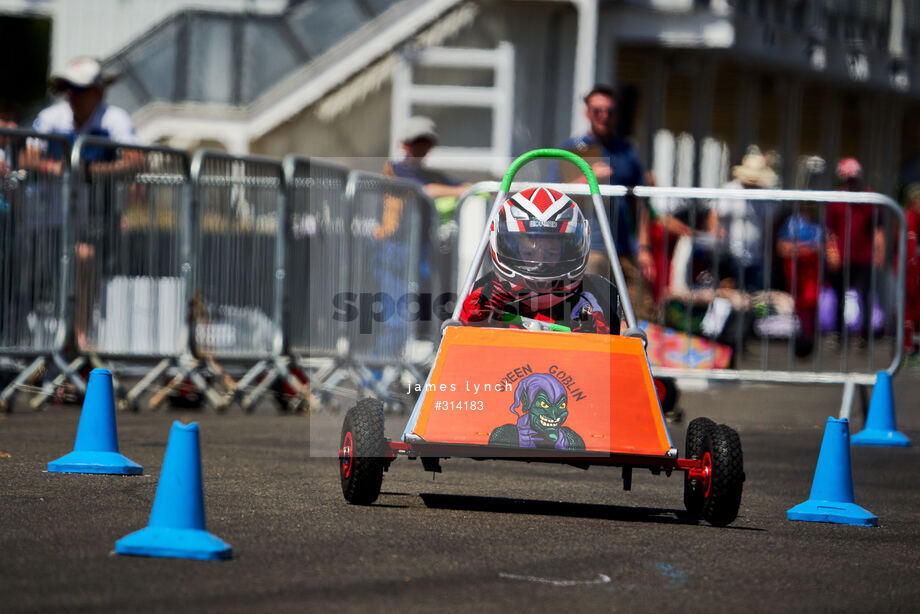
(779, 326)
(34, 180)
(318, 250)
(375, 314)
(237, 242)
(129, 282)
(191, 273)
(357, 247)
(133, 258)
(386, 252)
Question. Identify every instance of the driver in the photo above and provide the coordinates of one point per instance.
(539, 249)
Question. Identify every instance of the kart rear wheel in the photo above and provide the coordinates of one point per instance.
(723, 446)
(695, 489)
(361, 452)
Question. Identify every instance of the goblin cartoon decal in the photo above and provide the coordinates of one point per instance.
(543, 404)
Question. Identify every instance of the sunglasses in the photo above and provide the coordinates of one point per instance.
(601, 111)
(74, 89)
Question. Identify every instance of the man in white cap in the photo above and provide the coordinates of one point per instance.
(84, 112)
(418, 139)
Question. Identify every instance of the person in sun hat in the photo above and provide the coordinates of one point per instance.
(742, 222)
(82, 82)
(84, 112)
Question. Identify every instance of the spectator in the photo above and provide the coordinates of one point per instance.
(799, 245)
(743, 222)
(84, 112)
(676, 216)
(614, 161)
(419, 138)
(702, 295)
(859, 240)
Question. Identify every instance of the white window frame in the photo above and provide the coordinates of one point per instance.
(499, 98)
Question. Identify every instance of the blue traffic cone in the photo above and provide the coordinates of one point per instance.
(176, 528)
(831, 498)
(880, 427)
(96, 447)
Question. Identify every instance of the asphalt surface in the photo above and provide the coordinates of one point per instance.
(482, 536)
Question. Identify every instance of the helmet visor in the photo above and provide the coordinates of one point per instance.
(541, 252)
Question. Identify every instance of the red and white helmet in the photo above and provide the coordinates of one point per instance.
(540, 242)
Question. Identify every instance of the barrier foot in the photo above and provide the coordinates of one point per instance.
(49, 388)
(72, 371)
(239, 394)
(248, 399)
(163, 392)
(6, 395)
(139, 388)
(301, 397)
(219, 402)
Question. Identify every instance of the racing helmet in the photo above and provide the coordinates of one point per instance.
(540, 242)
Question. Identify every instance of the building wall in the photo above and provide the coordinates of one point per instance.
(786, 112)
(541, 33)
(711, 90)
(101, 27)
(357, 138)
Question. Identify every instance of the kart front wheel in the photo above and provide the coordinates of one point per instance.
(723, 448)
(695, 488)
(362, 449)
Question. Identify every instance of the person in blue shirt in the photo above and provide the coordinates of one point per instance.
(82, 83)
(419, 138)
(615, 162)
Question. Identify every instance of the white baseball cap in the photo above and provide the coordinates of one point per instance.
(80, 72)
(420, 127)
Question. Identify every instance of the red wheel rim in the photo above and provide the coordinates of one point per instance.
(707, 474)
(347, 454)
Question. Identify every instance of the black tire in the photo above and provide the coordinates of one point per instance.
(361, 452)
(724, 447)
(668, 394)
(694, 492)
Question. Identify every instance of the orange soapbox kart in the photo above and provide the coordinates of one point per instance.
(532, 395)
